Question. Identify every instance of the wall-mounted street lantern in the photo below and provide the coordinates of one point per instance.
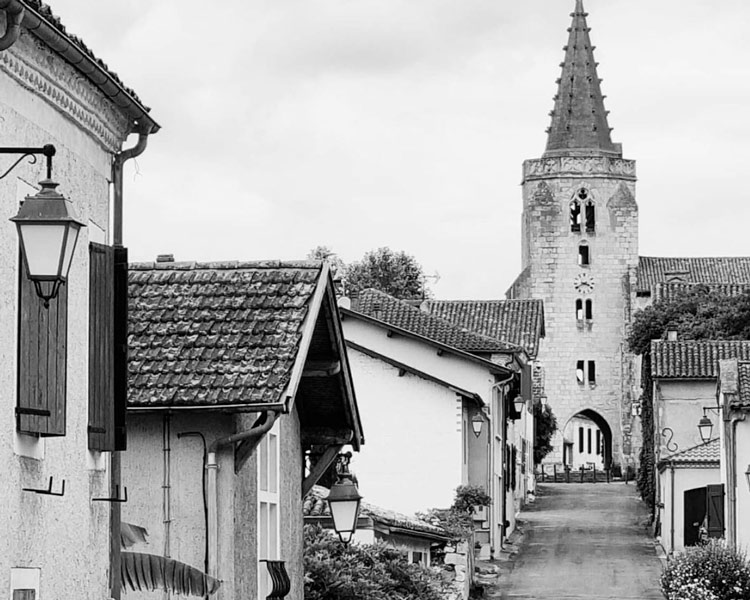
(47, 228)
(477, 421)
(519, 403)
(705, 428)
(344, 501)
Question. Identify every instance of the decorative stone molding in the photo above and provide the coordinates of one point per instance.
(579, 166)
(37, 68)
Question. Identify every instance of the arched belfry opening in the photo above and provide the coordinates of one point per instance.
(587, 441)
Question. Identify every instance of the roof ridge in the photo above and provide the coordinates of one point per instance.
(225, 265)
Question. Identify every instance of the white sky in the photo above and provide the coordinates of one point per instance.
(403, 123)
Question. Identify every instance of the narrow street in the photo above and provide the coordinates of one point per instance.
(584, 541)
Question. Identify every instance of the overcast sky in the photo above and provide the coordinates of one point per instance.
(403, 123)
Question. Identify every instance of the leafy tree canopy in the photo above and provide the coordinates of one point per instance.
(395, 273)
(546, 426)
(696, 314)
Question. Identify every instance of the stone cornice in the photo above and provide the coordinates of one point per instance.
(39, 70)
(579, 166)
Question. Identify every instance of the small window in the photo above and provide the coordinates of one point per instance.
(579, 310)
(575, 216)
(589, 310)
(588, 439)
(584, 257)
(592, 373)
(579, 372)
(590, 217)
(598, 442)
(417, 557)
(580, 440)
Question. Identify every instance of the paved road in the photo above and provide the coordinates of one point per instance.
(584, 541)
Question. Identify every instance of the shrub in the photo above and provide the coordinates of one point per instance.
(362, 571)
(711, 572)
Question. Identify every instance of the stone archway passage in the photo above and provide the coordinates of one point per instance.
(571, 443)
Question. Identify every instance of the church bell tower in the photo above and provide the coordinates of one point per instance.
(580, 253)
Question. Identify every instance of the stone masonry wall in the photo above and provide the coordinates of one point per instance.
(550, 252)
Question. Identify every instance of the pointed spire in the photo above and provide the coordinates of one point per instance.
(579, 120)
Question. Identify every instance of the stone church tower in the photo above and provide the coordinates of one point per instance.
(580, 255)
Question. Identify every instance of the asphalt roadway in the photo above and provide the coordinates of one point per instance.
(584, 541)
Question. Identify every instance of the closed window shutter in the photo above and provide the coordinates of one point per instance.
(121, 345)
(42, 361)
(101, 428)
(715, 510)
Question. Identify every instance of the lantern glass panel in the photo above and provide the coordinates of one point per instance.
(70, 246)
(344, 514)
(42, 245)
(705, 427)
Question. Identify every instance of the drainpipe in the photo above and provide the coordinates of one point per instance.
(118, 163)
(14, 11)
(212, 492)
(730, 449)
(671, 512)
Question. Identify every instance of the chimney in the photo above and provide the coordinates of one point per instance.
(671, 335)
(165, 258)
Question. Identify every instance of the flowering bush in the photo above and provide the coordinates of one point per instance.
(710, 572)
(362, 571)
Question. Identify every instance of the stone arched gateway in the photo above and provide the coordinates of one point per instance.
(587, 438)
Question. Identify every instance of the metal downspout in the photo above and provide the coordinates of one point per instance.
(671, 512)
(212, 469)
(118, 162)
(730, 449)
(14, 12)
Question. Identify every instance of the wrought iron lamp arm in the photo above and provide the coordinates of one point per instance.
(48, 150)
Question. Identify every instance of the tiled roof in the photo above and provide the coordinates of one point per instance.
(670, 291)
(519, 322)
(401, 314)
(315, 505)
(703, 454)
(215, 333)
(693, 359)
(654, 270)
(742, 400)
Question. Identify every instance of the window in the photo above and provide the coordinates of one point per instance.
(598, 442)
(590, 217)
(589, 310)
(586, 372)
(584, 257)
(575, 216)
(579, 310)
(417, 557)
(580, 440)
(588, 439)
(268, 507)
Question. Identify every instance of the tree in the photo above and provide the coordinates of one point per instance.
(395, 273)
(546, 426)
(338, 267)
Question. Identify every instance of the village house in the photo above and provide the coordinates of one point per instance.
(65, 117)
(239, 386)
(450, 393)
(733, 403)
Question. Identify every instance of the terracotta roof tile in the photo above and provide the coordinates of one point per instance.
(401, 314)
(315, 505)
(742, 400)
(215, 333)
(693, 359)
(727, 270)
(669, 291)
(519, 322)
(702, 454)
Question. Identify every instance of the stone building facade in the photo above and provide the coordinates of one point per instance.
(580, 256)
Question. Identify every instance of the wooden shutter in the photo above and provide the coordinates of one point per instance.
(715, 510)
(121, 345)
(108, 351)
(42, 360)
(101, 347)
(526, 384)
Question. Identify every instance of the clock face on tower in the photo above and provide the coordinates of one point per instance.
(584, 283)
